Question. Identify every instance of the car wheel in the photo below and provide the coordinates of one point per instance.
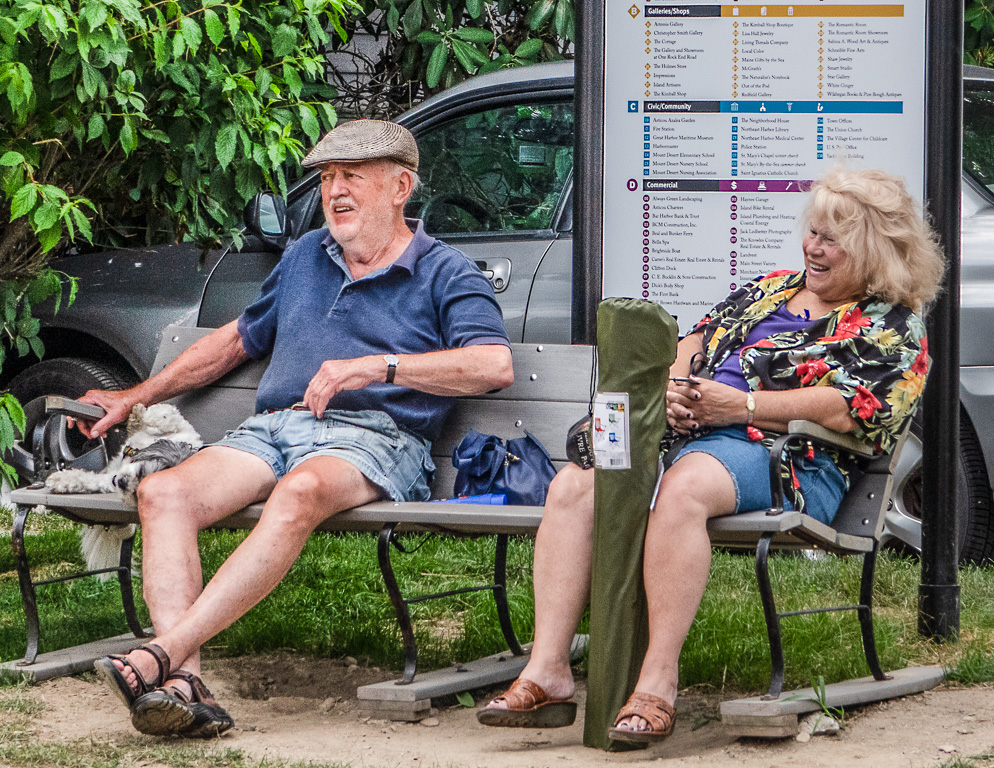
(69, 377)
(976, 520)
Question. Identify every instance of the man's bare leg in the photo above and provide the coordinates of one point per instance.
(561, 579)
(300, 501)
(174, 506)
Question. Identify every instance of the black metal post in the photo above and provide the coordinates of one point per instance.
(938, 594)
(588, 192)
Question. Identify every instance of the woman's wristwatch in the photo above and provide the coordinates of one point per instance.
(750, 407)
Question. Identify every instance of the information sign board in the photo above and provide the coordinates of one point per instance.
(717, 115)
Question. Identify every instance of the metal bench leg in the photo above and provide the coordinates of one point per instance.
(865, 613)
(500, 596)
(399, 605)
(127, 589)
(28, 597)
(771, 615)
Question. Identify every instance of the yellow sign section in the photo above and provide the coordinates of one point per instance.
(864, 11)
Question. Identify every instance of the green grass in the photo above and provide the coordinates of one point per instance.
(985, 760)
(333, 604)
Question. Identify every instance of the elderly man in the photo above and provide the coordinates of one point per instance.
(373, 326)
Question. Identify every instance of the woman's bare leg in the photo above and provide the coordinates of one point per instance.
(677, 561)
(561, 579)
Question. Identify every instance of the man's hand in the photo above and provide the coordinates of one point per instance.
(336, 376)
(117, 403)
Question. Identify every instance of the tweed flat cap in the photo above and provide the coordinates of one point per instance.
(360, 140)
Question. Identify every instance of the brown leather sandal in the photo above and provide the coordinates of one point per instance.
(168, 711)
(660, 716)
(528, 706)
(108, 670)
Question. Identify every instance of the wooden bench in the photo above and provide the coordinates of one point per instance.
(550, 392)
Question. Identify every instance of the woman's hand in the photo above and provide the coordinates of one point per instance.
(694, 403)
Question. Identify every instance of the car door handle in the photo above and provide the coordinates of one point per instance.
(497, 271)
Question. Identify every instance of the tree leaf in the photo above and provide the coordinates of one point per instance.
(539, 13)
(214, 27)
(528, 48)
(129, 140)
(45, 215)
(23, 201)
(37, 346)
(234, 21)
(160, 49)
(191, 33)
(227, 142)
(413, 18)
(475, 8)
(96, 127)
(49, 238)
(284, 41)
(436, 64)
(11, 158)
(7, 438)
(16, 412)
(65, 64)
(459, 48)
(393, 18)
(476, 35)
(309, 122)
(293, 82)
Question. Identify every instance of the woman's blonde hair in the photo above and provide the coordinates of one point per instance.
(893, 253)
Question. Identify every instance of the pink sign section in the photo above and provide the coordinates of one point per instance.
(760, 185)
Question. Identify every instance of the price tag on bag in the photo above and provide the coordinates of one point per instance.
(610, 429)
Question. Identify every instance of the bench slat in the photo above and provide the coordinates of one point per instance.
(108, 508)
(553, 372)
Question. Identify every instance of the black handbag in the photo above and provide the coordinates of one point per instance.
(520, 468)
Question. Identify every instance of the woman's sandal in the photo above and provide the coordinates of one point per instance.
(109, 671)
(660, 716)
(528, 706)
(167, 711)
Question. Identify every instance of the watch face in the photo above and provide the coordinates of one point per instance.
(391, 359)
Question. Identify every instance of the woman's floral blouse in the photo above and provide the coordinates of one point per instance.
(874, 353)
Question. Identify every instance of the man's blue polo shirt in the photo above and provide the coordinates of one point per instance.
(311, 310)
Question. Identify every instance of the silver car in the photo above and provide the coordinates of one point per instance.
(497, 164)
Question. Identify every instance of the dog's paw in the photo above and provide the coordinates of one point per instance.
(78, 481)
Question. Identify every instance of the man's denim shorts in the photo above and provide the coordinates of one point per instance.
(748, 463)
(397, 461)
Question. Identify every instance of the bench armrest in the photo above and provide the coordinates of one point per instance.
(830, 437)
(74, 408)
(799, 432)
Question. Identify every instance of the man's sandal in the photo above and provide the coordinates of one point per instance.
(109, 671)
(528, 706)
(660, 716)
(167, 711)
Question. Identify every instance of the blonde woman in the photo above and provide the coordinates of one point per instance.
(840, 343)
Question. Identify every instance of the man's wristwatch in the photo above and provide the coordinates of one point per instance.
(391, 361)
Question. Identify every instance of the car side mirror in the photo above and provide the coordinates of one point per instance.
(265, 217)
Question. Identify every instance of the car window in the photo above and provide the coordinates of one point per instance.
(501, 169)
(978, 136)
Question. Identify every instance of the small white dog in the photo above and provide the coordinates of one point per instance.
(158, 438)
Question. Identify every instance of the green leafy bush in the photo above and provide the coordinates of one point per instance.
(430, 45)
(19, 333)
(138, 121)
(978, 37)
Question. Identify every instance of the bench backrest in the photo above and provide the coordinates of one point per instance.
(551, 391)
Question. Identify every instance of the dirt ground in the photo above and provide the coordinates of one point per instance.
(299, 709)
